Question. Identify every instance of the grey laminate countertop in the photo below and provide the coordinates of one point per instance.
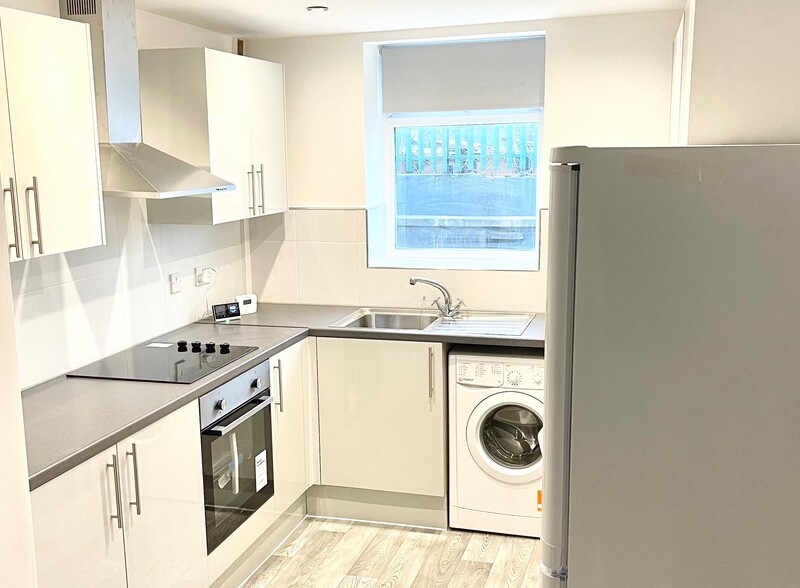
(318, 318)
(69, 420)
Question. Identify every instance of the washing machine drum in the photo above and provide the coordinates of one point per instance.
(503, 436)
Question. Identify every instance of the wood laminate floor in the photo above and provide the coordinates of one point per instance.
(340, 554)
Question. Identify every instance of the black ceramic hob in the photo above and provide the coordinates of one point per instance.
(180, 362)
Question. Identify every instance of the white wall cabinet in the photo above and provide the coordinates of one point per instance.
(159, 496)
(232, 123)
(292, 388)
(381, 414)
(49, 158)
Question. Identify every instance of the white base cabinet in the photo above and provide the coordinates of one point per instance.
(49, 155)
(78, 544)
(233, 124)
(158, 497)
(293, 390)
(381, 415)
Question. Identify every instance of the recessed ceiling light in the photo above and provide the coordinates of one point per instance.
(317, 8)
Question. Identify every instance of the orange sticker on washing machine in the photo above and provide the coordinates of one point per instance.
(539, 500)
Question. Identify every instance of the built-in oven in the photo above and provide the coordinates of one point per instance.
(236, 434)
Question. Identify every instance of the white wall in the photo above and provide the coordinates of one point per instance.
(745, 83)
(75, 308)
(608, 81)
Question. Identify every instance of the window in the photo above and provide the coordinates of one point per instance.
(458, 188)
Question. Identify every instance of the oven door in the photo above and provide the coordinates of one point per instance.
(237, 468)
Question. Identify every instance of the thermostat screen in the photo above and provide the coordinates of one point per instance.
(226, 311)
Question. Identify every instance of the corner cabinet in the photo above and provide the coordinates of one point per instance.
(232, 123)
(382, 415)
(49, 158)
(131, 516)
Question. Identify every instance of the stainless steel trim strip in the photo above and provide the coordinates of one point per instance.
(431, 384)
(114, 465)
(138, 502)
(263, 201)
(39, 241)
(220, 431)
(280, 384)
(12, 190)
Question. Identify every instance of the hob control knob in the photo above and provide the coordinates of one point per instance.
(182, 346)
(514, 378)
(196, 346)
(221, 404)
(211, 347)
(224, 347)
(256, 383)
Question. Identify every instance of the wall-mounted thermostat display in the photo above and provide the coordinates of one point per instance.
(227, 311)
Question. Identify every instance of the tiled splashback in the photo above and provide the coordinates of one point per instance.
(75, 308)
(319, 256)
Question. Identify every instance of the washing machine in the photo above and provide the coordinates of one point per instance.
(496, 415)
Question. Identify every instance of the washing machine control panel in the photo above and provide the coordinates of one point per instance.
(491, 374)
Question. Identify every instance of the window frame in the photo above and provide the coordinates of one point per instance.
(452, 259)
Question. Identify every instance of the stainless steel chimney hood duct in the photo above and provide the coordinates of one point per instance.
(130, 167)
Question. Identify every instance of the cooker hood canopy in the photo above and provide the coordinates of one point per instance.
(129, 167)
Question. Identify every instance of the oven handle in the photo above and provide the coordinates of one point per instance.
(219, 430)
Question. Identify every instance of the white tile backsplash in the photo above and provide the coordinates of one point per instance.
(77, 307)
(330, 254)
(327, 273)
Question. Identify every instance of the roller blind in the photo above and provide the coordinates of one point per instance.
(474, 75)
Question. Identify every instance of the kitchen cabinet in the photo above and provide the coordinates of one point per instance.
(232, 123)
(49, 157)
(381, 415)
(132, 516)
(78, 540)
(164, 522)
(292, 387)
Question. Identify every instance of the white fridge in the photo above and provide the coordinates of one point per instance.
(672, 408)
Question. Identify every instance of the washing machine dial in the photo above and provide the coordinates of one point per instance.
(514, 378)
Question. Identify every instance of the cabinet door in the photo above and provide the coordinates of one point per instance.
(381, 407)
(268, 125)
(78, 544)
(10, 199)
(53, 122)
(287, 387)
(165, 538)
(228, 94)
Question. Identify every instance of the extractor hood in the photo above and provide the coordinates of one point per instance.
(130, 167)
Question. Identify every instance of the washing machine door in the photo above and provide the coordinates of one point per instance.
(503, 436)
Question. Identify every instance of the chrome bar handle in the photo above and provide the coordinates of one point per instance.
(138, 502)
(221, 430)
(280, 384)
(431, 376)
(114, 465)
(261, 183)
(251, 187)
(35, 189)
(12, 191)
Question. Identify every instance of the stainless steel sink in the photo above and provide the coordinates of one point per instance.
(388, 318)
(465, 323)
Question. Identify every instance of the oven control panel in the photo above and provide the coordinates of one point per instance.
(497, 374)
(233, 393)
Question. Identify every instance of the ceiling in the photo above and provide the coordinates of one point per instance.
(289, 18)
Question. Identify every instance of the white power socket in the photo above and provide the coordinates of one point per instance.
(203, 276)
(175, 283)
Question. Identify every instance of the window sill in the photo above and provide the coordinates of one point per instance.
(527, 263)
